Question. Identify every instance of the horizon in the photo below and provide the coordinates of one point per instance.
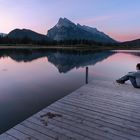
(118, 19)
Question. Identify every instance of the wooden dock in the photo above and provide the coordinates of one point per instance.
(100, 110)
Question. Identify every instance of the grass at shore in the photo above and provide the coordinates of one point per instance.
(70, 47)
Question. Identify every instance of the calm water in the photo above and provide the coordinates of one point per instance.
(31, 80)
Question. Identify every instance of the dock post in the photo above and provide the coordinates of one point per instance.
(86, 75)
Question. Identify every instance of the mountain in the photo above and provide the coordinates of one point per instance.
(97, 35)
(67, 30)
(25, 33)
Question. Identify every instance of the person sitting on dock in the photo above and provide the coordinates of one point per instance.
(134, 77)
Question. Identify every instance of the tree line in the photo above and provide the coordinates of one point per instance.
(10, 41)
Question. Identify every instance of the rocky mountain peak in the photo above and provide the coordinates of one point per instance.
(64, 22)
(87, 28)
(67, 30)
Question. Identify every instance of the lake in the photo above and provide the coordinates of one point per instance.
(33, 79)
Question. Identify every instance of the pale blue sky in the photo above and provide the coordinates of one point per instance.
(120, 18)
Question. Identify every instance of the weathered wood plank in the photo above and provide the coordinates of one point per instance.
(104, 98)
(38, 126)
(32, 133)
(108, 107)
(107, 95)
(102, 123)
(88, 114)
(101, 128)
(102, 110)
(59, 130)
(19, 135)
(110, 103)
(124, 89)
(70, 125)
(7, 137)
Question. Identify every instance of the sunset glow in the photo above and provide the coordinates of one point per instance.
(119, 19)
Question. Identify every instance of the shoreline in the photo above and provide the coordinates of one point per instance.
(68, 47)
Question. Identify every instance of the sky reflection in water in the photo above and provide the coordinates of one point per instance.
(31, 80)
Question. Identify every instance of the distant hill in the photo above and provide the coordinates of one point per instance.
(3, 34)
(25, 33)
(135, 43)
(67, 30)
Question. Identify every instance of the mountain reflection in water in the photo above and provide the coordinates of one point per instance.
(64, 61)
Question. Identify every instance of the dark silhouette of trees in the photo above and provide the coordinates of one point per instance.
(11, 41)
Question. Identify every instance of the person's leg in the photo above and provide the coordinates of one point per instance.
(133, 81)
(123, 79)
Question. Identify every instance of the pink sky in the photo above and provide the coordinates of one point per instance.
(119, 19)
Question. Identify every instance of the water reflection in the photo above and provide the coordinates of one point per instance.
(32, 79)
(64, 61)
